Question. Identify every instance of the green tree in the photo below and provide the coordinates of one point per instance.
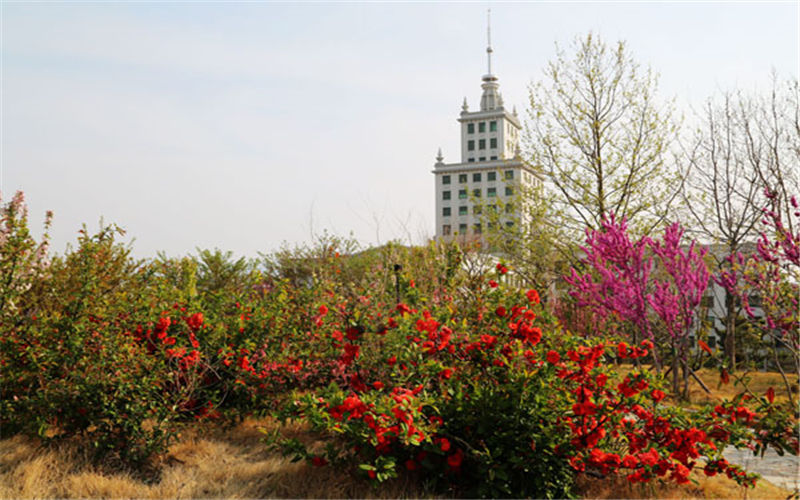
(601, 138)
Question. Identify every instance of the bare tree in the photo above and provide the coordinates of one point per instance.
(723, 193)
(773, 139)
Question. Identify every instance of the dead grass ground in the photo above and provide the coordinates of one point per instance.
(757, 383)
(705, 487)
(205, 463)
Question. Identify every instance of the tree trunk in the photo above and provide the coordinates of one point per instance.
(730, 330)
(676, 385)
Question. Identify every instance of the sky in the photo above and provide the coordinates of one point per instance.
(246, 126)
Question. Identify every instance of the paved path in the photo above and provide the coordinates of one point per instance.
(781, 471)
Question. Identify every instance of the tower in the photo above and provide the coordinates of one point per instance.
(488, 178)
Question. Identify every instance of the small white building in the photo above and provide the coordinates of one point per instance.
(489, 176)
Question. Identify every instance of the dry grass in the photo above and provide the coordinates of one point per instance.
(207, 463)
(757, 383)
(702, 487)
(235, 463)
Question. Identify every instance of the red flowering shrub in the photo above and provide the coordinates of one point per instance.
(506, 404)
(465, 382)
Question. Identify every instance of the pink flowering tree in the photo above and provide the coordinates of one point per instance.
(772, 276)
(676, 298)
(655, 286)
(617, 278)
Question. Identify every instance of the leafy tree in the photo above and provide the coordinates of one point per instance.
(533, 240)
(218, 272)
(600, 137)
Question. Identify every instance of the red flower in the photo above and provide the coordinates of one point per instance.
(704, 346)
(657, 395)
(622, 350)
(371, 474)
(195, 321)
(553, 357)
(533, 296)
(680, 474)
(411, 465)
(724, 377)
(501, 268)
(446, 373)
(500, 311)
(444, 444)
(318, 461)
(492, 283)
(770, 395)
(377, 385)
(455, 459)
(163, 324)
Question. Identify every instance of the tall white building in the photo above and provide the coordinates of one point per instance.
(490, 174)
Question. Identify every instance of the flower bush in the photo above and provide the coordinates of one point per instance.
(506, 404)
(466, 383)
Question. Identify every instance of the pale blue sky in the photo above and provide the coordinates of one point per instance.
(243, 125)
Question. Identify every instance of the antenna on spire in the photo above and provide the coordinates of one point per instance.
(489, 38)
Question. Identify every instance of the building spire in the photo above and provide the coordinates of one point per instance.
(490, 99)
(489, 38)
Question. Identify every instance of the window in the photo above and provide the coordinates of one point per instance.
(470, 145)
(493, 158)
(509, 174)
(462, 178)
(446, 229)
(477, 228)
(491, 176)
(462, 210)
(445, 195)
(462, 194)
(476, 193)
(470, 128)
(510, 223)
(509, 191)
(491, 192)
(462, 229)
(712, 342)
(477, 209)
(481, 143)
(493, 142)
(493, 126)
(509, 208)
(482, 158)
(471, 160)
(482, 127)
(476, 177)
(446, 211)
(445, 179)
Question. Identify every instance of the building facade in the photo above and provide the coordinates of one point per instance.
(486, 187)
